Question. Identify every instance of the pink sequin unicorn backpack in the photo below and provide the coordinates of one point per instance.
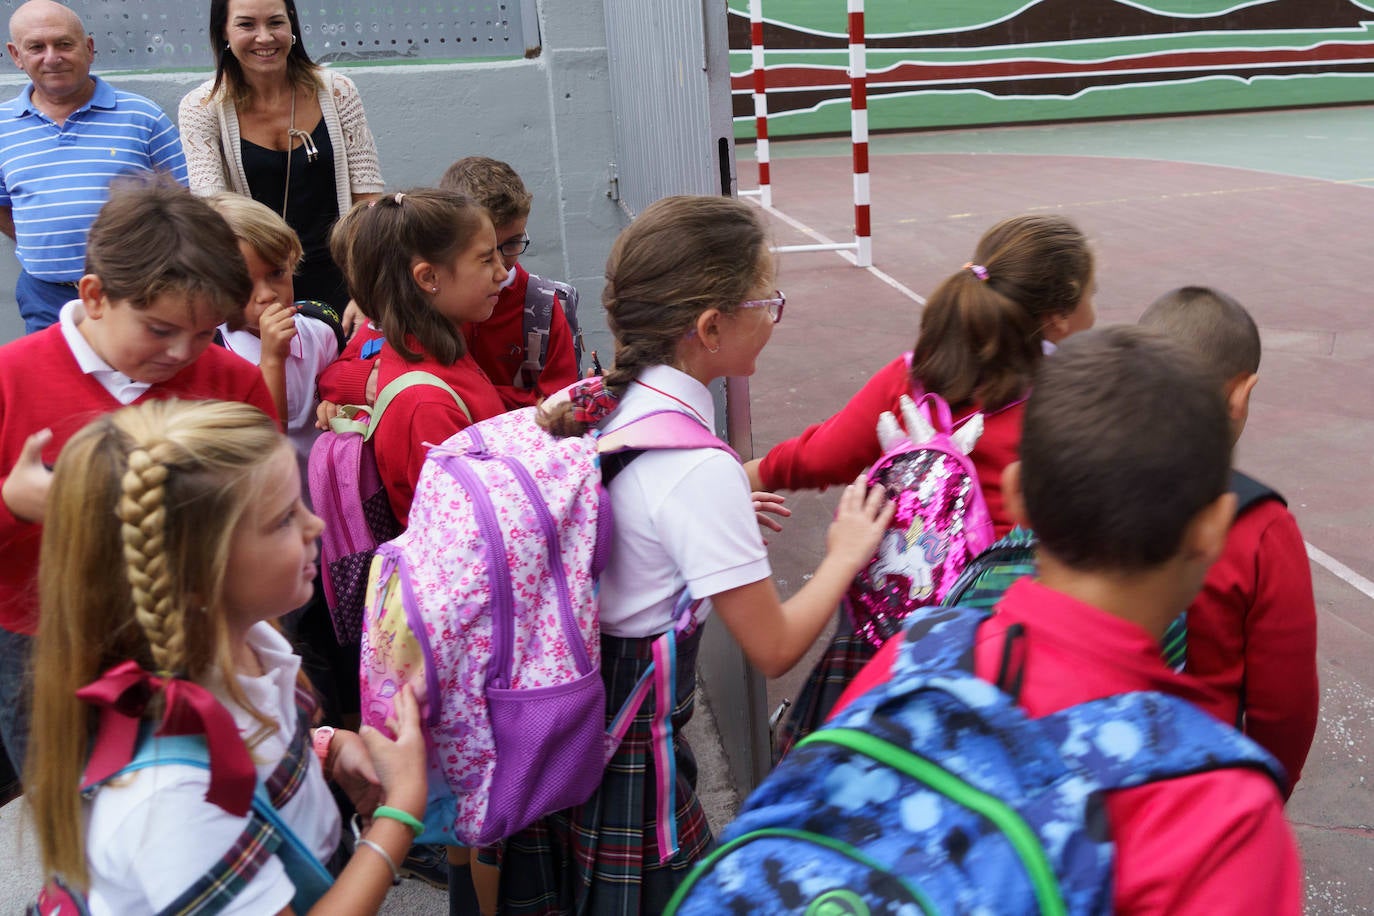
(941, 522)
(487, 606)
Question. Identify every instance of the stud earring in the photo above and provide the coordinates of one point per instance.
(434, 289)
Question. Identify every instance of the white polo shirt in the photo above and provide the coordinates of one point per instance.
(312, 349)
(152, 834)
(684, 518)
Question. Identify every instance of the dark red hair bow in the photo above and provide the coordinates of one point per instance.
(592, 403)
(122, 694)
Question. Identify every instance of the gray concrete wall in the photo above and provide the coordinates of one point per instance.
(549, 117)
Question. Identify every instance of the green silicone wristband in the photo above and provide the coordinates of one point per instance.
(396, 814)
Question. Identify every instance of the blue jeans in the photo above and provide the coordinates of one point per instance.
(40, 300)
(16, 655)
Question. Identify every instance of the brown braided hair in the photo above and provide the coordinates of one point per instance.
(681, 256)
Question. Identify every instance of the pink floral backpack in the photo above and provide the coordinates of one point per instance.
(487, 606)
(941, 523)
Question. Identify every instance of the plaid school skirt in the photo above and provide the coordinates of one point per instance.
(843, 659)
(602, 857)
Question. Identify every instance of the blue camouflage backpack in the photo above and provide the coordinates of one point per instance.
(936, 793)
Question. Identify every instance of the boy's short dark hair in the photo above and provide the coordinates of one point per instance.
(1211, 324)
(153, 237)
(1125, 440)
(493, 184)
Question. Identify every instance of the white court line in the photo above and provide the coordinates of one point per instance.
(848, 256)
(1340, 570)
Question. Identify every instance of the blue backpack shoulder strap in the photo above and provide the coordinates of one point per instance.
(266, 830)
(1132, 739)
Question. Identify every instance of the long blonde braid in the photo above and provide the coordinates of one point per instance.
(143, 516)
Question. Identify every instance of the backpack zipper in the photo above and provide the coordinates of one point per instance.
(498, 571)
(560, 575)
(1013, 827)
(803, 836)
(338, 503)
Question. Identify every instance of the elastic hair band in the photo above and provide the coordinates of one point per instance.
(400, 196)
(978, 270)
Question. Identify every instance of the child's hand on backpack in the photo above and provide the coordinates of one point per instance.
(277, 328)
(327, 411)
(400, 764)
(860, 521)
(350, 766)
(766, 504)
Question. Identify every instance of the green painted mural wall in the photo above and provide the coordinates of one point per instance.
(947, 63)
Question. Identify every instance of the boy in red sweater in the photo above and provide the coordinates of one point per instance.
(1252, 630)
(1123, 476)
(162, 271)
(496, 344)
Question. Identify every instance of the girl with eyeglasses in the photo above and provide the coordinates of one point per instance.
(984, 330)
(690, 298)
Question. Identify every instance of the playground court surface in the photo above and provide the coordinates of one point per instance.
(1276, 208)
(1271, 207)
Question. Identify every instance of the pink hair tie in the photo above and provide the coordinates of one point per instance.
(978, 270)
(592, 403)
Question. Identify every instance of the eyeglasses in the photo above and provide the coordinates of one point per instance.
(773, 305)
(513, 248)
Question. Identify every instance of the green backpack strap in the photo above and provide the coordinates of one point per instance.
(364, 420)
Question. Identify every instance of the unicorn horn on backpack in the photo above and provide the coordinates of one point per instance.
(918, 428)
(890, 433)
(966, 436)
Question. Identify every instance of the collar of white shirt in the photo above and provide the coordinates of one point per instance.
(122, 388)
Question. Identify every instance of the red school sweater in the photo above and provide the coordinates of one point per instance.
(834, 451)
(42, 386)
(496, 345)
(1252, 632)
(424, 415)
(499, 348)
(1202, 845)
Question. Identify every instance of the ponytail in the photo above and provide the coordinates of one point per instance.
(982, 331)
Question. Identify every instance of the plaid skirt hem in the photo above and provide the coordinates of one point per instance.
(844, 658)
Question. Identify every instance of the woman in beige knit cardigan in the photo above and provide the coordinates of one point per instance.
(274, 126)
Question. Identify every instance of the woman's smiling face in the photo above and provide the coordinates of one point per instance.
(259, 35)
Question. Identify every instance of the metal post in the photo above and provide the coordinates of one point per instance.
(858, 128)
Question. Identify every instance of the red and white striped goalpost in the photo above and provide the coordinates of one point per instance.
(862, 246)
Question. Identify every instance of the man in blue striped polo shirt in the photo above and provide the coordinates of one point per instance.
(62, 140)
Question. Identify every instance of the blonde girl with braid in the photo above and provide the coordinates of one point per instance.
(690, 298)
(175, 536)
